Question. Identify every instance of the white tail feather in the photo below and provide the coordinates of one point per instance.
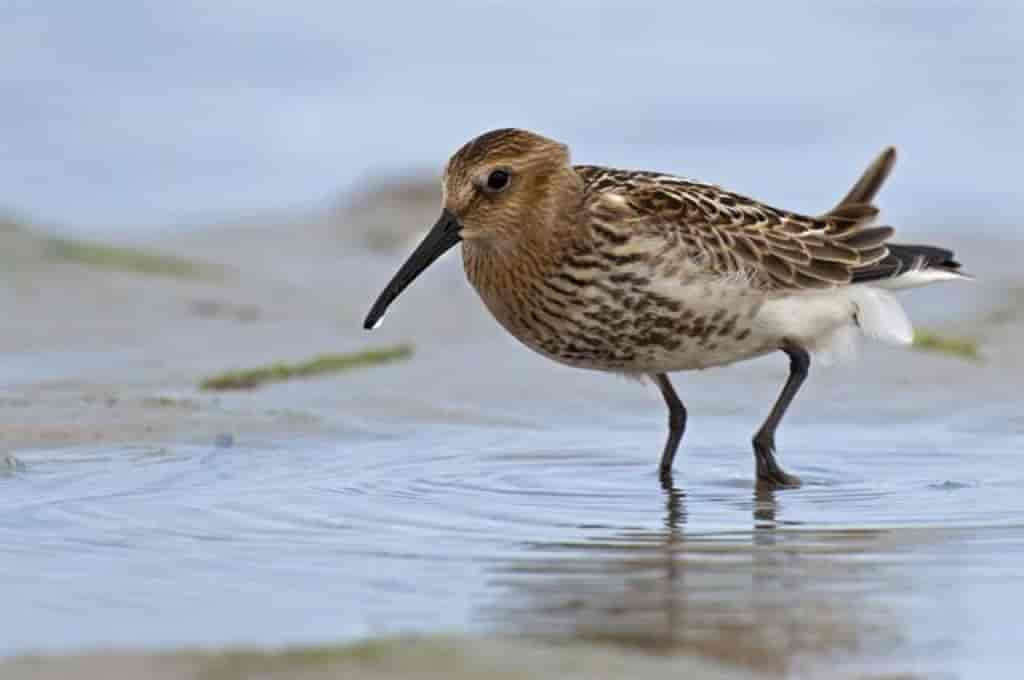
(827, 322)
(881, 316)
(918, 277)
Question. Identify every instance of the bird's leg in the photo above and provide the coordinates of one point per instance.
(768, 469)
(676, 423)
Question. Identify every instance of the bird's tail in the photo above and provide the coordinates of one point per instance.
(905, 266)
(879, 314)
(909, 266)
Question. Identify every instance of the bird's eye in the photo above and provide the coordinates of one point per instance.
(498, 180)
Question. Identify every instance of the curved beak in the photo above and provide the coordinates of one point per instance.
(440, 239)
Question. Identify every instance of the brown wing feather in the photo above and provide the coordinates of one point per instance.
(863, 192)
(731, 233)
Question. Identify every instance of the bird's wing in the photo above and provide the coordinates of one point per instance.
(726, 233)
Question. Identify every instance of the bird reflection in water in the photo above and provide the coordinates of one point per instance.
(768, 598)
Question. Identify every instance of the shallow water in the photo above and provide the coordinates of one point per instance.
(902, 555)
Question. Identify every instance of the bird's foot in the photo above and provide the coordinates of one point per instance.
(769, 471)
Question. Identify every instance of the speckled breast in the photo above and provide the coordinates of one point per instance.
(628, 322)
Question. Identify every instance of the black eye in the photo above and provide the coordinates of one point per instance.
(498, 180)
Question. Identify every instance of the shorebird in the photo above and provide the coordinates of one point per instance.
(643, 273)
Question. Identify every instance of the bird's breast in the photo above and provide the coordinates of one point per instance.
(622, 316)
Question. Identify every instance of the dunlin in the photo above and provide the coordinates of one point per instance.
(643, 273)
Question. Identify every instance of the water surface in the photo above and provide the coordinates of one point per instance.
(891, 557)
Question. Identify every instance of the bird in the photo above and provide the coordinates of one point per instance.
(643, 273)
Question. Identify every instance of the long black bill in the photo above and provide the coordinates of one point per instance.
(438, 240)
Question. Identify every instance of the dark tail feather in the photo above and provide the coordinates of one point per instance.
(903, 258)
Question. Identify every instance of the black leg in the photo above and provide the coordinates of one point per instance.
(768, 469)
(676, 423)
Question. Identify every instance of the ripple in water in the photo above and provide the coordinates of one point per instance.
(471, 528)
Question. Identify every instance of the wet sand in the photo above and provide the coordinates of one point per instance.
(400, 658)
(478, 490)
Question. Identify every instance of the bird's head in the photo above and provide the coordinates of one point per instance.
(499, 188)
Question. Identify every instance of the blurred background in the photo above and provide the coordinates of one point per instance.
(119, 115)
(199, 201)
